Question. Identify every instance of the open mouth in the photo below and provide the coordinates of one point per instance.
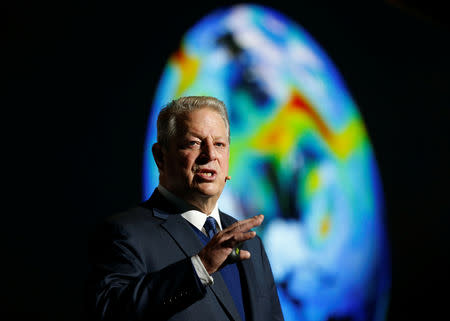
(206, 173)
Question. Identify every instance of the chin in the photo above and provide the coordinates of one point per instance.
(209, 191)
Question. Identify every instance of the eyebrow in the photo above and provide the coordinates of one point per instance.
(201, 136)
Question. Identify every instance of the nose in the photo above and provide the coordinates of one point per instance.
(208, 151)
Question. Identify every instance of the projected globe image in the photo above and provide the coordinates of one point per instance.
(300, 155)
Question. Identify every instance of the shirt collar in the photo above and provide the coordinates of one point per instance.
(189, 212)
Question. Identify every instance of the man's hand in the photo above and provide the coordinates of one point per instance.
(215, 253)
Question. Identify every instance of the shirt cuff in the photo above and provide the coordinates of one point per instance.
(202, 274)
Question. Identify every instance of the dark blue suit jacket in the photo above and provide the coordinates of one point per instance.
(141, 270)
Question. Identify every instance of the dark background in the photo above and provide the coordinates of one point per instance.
(80, 78)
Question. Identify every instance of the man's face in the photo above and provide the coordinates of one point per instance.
(195, 164)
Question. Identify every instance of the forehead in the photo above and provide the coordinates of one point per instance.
(203, 121)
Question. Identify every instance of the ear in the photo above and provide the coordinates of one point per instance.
(158, 155)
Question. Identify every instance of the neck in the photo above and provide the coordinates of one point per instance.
(185, 202)
(203, 204)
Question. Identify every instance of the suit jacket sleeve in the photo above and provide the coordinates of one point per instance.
(121, 288)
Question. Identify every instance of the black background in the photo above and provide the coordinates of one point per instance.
(80, 78)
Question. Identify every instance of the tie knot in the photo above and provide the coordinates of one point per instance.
(210, 226)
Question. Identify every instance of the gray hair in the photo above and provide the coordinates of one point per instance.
(168, 116)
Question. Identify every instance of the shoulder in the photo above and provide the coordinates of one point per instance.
(141, 214)
(134, 215)
(127, 224)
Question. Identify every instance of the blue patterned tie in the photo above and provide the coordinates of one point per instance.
(210, 226)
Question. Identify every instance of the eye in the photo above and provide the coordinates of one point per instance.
(193, 143)
(220, 144)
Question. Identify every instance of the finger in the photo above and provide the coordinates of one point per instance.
(243, 236)
(244, 255)
(231, 240)
(237, 255)
(245, 225)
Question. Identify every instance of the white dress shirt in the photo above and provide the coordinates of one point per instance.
(198, 219)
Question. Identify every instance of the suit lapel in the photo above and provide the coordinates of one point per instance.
(252, 285)
(181, 232)
(189, 243)
(220, 289)
(183, 235)
(248, 268)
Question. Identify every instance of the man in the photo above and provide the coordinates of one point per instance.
(162, 260)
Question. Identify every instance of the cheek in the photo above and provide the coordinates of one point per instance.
(186, 162)
(224, 162)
